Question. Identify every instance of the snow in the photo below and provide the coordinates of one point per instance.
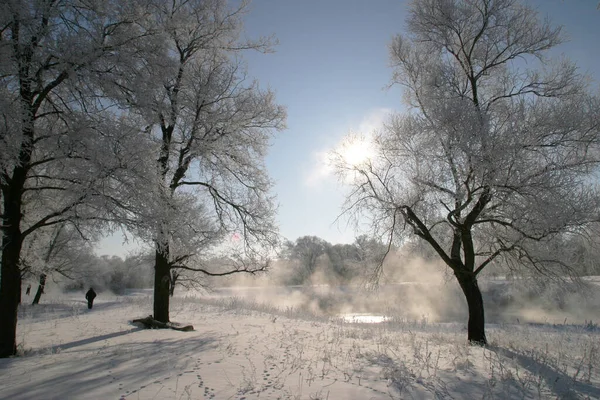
(364, 318)
(247, 350)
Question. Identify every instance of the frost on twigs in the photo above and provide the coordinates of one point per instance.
(150, 323)
(204, 184)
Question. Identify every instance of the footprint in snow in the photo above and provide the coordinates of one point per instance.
(209, 392)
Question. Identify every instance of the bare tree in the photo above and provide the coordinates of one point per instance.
(210, 127)
(493, 161)
(59, 142)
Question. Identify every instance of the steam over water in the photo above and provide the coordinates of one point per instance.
(505, 301)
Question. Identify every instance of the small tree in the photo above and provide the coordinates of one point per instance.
(493, 161)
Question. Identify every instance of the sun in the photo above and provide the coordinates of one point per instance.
(355, 150)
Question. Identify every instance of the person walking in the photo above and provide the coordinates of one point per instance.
(90, 296)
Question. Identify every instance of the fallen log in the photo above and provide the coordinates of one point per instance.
(150, 323)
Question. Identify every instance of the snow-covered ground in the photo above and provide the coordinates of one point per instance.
(248, 350)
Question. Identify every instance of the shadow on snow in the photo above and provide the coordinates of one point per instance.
(123, 365)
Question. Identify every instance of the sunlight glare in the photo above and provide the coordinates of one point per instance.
(356, 150)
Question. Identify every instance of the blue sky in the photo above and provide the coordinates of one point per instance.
(331, 71)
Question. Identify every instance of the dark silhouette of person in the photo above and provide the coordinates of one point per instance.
(28, 289)
(90, 296)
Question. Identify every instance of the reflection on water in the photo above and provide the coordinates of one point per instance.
(364, 318)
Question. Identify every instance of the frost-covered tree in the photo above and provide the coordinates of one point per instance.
(61, 142)
(209, 126)
(493, 160)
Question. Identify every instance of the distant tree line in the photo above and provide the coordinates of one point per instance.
(115, 274)
(312, 260)
(103, 273)
(65, 258)
(308, 260)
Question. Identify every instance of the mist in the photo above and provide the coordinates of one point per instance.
(414, 289)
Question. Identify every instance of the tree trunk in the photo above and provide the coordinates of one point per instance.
(476, 325)
(42, 284)
(174, 276)
(10, 278)
(162, 279)
(9, 295)
(12, 237)
(40, 290)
